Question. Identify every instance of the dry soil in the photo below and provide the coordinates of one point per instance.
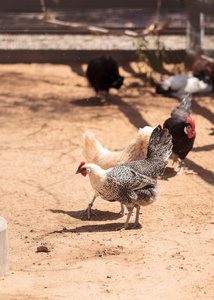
(44, 111)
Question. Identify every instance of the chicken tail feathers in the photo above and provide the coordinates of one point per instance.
(183, 110)
(186, 103)
(160, 144)
(92, 148)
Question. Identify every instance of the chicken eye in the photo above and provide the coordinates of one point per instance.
(83, 169)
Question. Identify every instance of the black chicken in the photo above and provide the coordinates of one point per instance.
(182, 128)
(103, 74)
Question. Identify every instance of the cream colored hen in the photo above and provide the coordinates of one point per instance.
(94, 152)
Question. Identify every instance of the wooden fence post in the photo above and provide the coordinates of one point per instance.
(193, 32)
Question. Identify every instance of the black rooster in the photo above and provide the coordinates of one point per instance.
(182, 128)
(103, 74)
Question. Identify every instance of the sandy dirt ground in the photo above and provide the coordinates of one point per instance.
(44, 111)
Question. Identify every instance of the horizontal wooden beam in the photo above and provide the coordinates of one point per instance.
(82, 56)
(34, 5)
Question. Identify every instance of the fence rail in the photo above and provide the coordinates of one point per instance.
(34, 5)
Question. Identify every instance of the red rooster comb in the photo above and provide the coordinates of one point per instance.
(208, 68)
(192, 122)
(81, 164)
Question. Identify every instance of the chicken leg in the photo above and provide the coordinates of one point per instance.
(126, 225)
(89, 211)
(178, 161)
(136, 223)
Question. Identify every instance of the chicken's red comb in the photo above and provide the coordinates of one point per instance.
(192, 122)
(208, 68)
(81, 164)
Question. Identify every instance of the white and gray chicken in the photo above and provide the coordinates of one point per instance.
(181, 84)
(133, 184)
(95, 153)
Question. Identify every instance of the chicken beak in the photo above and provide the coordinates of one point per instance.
(81, 172)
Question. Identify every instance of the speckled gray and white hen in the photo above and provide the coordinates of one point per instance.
(133, 184)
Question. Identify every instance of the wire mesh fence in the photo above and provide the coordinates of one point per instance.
(200, 27)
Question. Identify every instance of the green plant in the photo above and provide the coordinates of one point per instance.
(155, 60)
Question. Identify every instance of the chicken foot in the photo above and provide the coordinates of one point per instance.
(136, 224)
(181, 168)
(88, 209)
(126, 225)
(178, 161)
(123, 211)
(104, 98)
(89, 212)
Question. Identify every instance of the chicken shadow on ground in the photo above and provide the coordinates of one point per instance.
(169, 173)
(205, 174)
(95, 228)
(203, 111)
(204, 148)
(134, 116)
(78, 69)
(49, 104)
(96, 215)
(92, 101)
